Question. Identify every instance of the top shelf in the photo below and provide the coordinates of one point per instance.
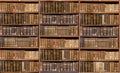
(84, 0)
(99, 0)
(36, 1)
(61, 0)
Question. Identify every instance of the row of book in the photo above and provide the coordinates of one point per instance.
(60, 66)
(99, 43)
(18, 42)
(18, 54)
(14, 30)
(59, 19)
(99, 19)
(58, 43)
(99, 55)
(59, 55)
(47, 19)
(99, 7)
(18, 7)
(60, 7)
(99, 66)
(99, 31)
(16, 18)
(83, 66)
(59, 30)
(19, 66)
(52, 7)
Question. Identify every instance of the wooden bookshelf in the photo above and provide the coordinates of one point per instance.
(59, 24)
(97, 58)
(17, 23)
(59, 36)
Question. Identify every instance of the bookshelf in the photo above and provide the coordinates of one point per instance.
(19, 49)
(99, 36)
(59, 36)
(59, 33)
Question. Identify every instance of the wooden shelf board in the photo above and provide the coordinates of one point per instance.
(15, 48)
(101, 60)
(20, 72)
(60, 60)
(59, 48)
(100, 36)
(20, 12)
(99, 72)
(98, 48)
(99, 12)
(99, 25)
(20, 59)
(42, 24)
(19, 25)
(59, 71)
(47, 36)
(36, 1)
(99, 0)
(61, 0)
(18, 35)
(59, 13)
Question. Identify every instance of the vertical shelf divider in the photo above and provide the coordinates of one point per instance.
(79, 36)
(119, 38)
(39, 19)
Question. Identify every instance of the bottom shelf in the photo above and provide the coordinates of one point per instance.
(19, 72)
(74, 72)
(99, 72)
(58, 72)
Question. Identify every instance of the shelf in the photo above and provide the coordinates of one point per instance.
(58, 24)
(99, 72)
(98, 25)
(61, 36)
(20, 12)
(19, 72)
(20, 59)
(15, 48)
(59, 60)
(31, 72)
(18, 35)
(99, 12)
(61, 0)
(58, 71)
(59, 13)
(59, 48)
(19, 1)
(19, 25)
(99, 36)
(99, 1)
(101, 60)
(98, 48)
